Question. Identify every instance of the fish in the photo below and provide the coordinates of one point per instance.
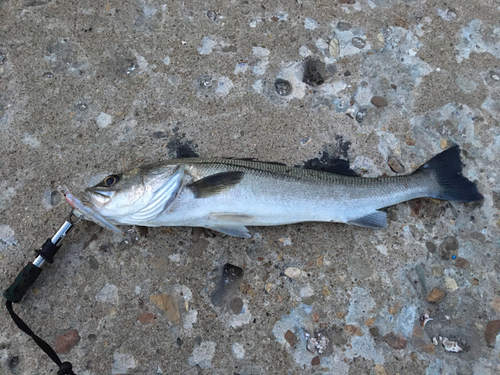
(230, 195)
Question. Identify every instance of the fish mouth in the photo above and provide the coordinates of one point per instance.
(99, 197)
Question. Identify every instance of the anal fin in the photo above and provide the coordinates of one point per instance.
(231, 229)
(375, 220)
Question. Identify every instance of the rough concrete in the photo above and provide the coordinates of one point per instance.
(87, 88)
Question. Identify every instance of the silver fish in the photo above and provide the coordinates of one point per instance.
(228, 195)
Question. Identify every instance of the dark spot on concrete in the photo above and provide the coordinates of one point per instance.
(180, 147)
(314, 72)
(230, 48)
(374, 331)
(228, 284)
(379, 101)
(179, 341)
(143, 231)
(93, 263)
(332, 159)
(282, 87)
(159, 135)
(462, 263)
(13, 362)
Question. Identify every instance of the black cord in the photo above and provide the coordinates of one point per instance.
(65, 368)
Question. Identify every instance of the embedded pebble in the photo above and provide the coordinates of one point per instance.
(344, 26)
(66, 341)
(282, 87)
(146, 318)
(462, 263)
(360, 115)
(168, 305)
(334, 47)
(495, 303)
(238, 350)
(395, 165)
(212, 15)
(436, 295)
(395, 341)
(451, 284)
(355, 330)
(495, 76)
(293, 272)
(313, 72)
(443, 143)
(358, 42)
(379, 101)
(448, 248)
(437, 271)
(379, 370)
(109, 293)
(451, 346)
(48, 75)
(491, 332)
(103, 120)
(315, 361)
(310, 24)
(290, 337)
(122, 363)
(236, 305)
(202, 354)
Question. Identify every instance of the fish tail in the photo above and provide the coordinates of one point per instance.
(446, 169)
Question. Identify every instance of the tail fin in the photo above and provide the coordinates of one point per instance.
(447, 170)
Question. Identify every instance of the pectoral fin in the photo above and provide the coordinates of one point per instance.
(215, 184)
(375, 220)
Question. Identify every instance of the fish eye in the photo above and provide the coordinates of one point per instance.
(110, 180)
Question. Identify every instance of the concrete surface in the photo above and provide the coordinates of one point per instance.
(92, 87)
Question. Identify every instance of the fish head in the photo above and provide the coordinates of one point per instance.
(128, 193)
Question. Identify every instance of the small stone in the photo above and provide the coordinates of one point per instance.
(374, 331)
(474, 281)
(379, 370)
(495, 76)
(435, 296)
(429, 348)
(334, 47)
(451, 346)
(369, 322)
(437, 271)
(379, 101)
(360, 115)
(448, 248)
(430, 247)
(395, 341)
(66, 341)
(146, 318)
(491, 332)
(236, 305)
(395, 165)
(167, 304)
(462, 263)
(355, 330)
(315, 361)
(478, 236)
(341, 314)
(282, 87)
(451, 284)
(290, 337)
(212, 15)
(344, 26)
(358, 42)
(293, 272)
(14, 362)
(443, 143)
(410, 141)
(393, 310)
(495, 303)
(55, 198)
(48, 75)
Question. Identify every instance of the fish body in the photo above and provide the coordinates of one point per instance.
(228, 195)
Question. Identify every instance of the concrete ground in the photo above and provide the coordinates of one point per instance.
(88, 88)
